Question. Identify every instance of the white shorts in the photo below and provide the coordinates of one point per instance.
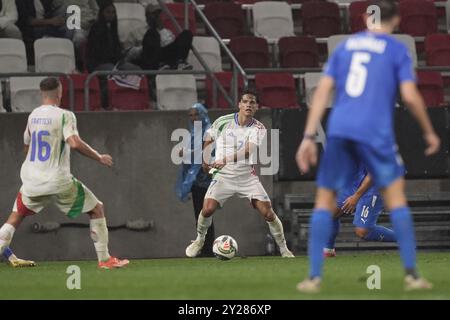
(224, 186)
(73, 201)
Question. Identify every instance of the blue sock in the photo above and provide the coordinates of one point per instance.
(380, 233)
(319, 232)
(7, 252)
(334, 232)
(402, 224)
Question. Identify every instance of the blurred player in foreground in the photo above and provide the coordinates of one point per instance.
(237, 137)
(366, 71)
(52, 132)
(364, 200)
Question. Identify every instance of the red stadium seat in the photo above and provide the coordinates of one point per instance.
(227, 18)
(122, 98)
(276, 90)
(225, 80)
(321, 19)
(251, 52)
(431, 86)
(177, 9)
(437, 49)
(418, 17)
(78, 86)
(298, 52)
(356, 11)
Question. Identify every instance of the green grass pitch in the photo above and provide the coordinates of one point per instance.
(257, 278)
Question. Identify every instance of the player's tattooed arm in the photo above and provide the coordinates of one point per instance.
(82, 147)
(307, 151)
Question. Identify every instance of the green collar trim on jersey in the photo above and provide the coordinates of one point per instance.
(78, 204)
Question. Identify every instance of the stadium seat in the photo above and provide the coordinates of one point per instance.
(333, 41)
(227, 18)
(272, 20)
(320, 19)
(225, 80)
(209, 49)
(78, 87)
(177, 10)
(54, 55)
(123, 98)
(356, 11)
(276, 90)
(130, 16)
(298, 52)
(25, 93)
(251, 52)
(418, 17)
(176, 92)
(431, 86)
(437, 49)
(311, 81)
(13, 57)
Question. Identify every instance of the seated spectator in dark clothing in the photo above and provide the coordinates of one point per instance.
(160, 48)
(37, 19)
(104, 51)
(8, 18)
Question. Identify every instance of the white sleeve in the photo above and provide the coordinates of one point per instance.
(69, 125)
(257, 135)
(27, 136)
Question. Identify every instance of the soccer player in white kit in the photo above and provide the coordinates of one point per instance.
(50, 134)
(237, 136)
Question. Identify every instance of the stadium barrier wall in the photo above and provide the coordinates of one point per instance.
(140, 186)
(409, 140)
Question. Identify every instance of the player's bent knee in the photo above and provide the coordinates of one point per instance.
(361, 232)
(208, 209)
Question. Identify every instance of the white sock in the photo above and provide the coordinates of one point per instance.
(6, 235)
(99, 234)
(276, 229)
(203, 225)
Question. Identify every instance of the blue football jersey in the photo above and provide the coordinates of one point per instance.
(367, 69)
(358, 176)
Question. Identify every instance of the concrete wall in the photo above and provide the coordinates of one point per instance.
(139, 186)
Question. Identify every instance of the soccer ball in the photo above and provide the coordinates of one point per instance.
(225, 247)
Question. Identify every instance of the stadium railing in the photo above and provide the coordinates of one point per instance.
(6, 76)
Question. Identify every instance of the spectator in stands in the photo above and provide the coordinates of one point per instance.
(40, 18)
(8, 18)
(88, 15)
(192, 178)
(161, 49)
(104, 51)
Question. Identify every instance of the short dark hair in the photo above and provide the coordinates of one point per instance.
(250, 92)
(388, 9)
(49, 84)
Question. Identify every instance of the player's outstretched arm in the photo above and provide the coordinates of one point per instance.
(82, 147)
(413, 99)
(307, 151)
(208, 148)
(350, 203)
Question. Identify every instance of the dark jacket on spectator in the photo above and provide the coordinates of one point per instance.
(103, 43)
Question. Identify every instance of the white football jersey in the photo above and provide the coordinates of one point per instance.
(46, 169)
(231, 137)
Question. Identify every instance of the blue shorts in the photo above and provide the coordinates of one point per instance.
(341, 157)
(367, 211)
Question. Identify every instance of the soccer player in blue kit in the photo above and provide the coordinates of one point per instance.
(364, 200)
(366, 71)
